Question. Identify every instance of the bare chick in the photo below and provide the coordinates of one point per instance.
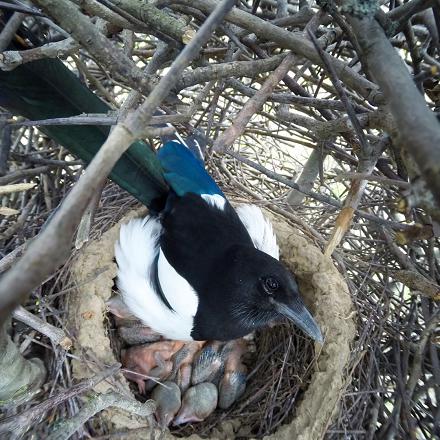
(207, 363)
(183, 378)
(143, 358)
(130, 329)
(198, 403)
(186, 354)
(159, 373)
(138, 334)
(233, 383)
(232, 386)
(117, 307)
(168, 400)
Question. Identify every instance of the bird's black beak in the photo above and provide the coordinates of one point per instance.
(299, 315)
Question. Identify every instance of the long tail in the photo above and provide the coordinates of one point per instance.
(47, 89)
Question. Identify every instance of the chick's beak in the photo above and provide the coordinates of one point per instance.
(299, 315)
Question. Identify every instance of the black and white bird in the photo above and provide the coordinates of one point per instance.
(200, 269)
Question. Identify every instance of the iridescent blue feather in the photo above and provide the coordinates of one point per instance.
(184, 172)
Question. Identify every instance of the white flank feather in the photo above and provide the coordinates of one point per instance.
(180, 295)
(260, 229)
(135, 253)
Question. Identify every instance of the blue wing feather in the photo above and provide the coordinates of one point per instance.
(184, 172)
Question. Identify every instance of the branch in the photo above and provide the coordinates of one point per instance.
(226, 70)
(253, 105)
(11, 59)
(156, 19)
(294, 42)
(56, 335)
(418, 130)
(95, 403)
(105, 52)
(17, 425)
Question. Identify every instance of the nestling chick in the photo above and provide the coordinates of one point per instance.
(138, 334)
(168, 400)
(232, 386)
(233, 383)
(207, 363)
(143, 358)
(198, 403)
(159, 373)
(186, 354)
(183, 378)
(118, 308)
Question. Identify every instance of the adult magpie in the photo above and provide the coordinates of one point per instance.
(200, 269)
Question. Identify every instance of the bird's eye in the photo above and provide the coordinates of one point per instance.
(270, 285)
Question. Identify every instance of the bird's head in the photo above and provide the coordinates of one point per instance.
(268, 292)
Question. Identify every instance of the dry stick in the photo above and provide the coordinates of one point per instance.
(155, 19)
(418, 130)
(52, 246)
(364, 176)
(296, 43)
(8, 32)
(320, 197)
(175, 71)
(5, 141)
(99, 119)
(327, 62)
(227, 70)
(17, 425)
(21, 8)
(11, 59)
(416, 368)
(252, 106)
(22, 174)
(103, 50)
(55, 334)
(351, 202)
(95, 403)
(93, 8)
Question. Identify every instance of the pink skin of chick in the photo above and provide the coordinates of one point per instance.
(143, 358)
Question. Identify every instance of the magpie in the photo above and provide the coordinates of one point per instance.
(200, 269)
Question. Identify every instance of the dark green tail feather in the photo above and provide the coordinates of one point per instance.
(48, 89)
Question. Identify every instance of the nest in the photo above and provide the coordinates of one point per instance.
(290, 376)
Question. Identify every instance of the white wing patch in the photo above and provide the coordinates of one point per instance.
(179, 293)
(260, 229)
(135, 253)
(215, 200)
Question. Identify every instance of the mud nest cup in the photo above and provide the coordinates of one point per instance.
(324, 290)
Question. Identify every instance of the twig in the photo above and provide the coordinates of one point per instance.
(321, 197)
(98, 119)
(9, 29)
(253, 105)
(17, 425)
(5, 142)
(341, 92)
(372, 178)
(418, 128)
(295, 43)
(55, 334)
(11, 59)
(84, 31)
(190, 51)
(96, 403)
